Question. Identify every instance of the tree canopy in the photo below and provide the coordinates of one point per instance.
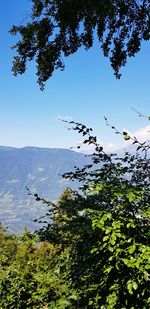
(58, 28)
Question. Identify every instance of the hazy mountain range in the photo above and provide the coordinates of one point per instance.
(39, 169)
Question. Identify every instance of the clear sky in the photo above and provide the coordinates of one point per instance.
(86, 91)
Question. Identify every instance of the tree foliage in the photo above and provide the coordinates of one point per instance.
(59, 28)
(95, 253)
(27, 276)
(104, 230)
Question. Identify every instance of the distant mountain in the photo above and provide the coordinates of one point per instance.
(39, 169)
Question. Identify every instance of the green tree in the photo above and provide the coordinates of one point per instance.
(57, 29)
(103, 231)
(27, 276)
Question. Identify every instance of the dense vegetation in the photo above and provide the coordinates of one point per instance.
(95, 253)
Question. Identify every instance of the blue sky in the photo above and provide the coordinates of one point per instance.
(86, 91)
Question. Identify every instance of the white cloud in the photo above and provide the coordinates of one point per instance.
(111, 147)
(84, 148)
(89, 149)
(142, 135)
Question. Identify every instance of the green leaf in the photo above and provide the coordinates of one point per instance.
(105, 238)
(135, 285)
(112, 242)
(132, 249)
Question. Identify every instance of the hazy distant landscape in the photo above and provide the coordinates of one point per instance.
(40, 170)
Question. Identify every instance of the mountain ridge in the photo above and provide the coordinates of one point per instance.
(40, 170)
